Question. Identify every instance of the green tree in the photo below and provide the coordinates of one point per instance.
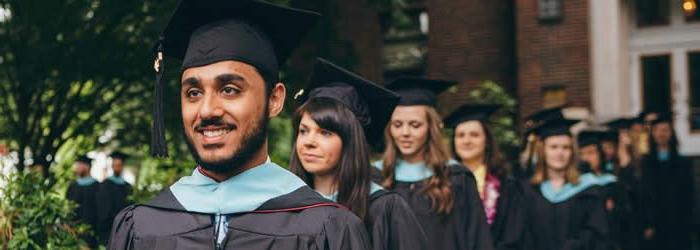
(64, 65)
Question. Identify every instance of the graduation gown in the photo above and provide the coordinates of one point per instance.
(669, 186)
(508, 228)
(392, 225)
(464, 228)
(112, 198)
(84, 193)
(625, 231)
(576, 223)
(298, 219)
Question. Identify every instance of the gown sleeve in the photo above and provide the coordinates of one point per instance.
(478, 235)
(343, 231)
(512, 237)
(122, 235)
(397, 227)
(594, 234)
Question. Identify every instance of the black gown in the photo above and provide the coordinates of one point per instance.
(301, 219)
(578, 223)
(85, 196)
(508, 228)
(392, 225)
(625, 232)
(669, 185)
(464, 228)
(112, 198)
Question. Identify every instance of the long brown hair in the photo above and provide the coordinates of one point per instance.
(352, 172)
(572, 174)
(435, 155)
(493, 159)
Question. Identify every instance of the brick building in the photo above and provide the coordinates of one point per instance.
(605, 58)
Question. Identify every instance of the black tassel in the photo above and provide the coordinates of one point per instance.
(158, 145)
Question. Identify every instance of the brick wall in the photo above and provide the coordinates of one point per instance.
(552, 54)
(470, 41)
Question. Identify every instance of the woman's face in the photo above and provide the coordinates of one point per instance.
(558, 151)
(470, 141)
(318, 149)
(590, 155)
(661, 133)
(409, 129)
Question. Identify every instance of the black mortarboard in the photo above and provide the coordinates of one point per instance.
(202, 32)
(419, 91)
(119, 155)
(610, 135)
(84, 159)
(536, 119)
(589, 137)
(555, 127)
(478, 112)
(371, 103)
(620, 123)
(663, 117)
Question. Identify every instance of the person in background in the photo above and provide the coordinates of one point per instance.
(625, 232)
(112, 196)
(528, 159)
(416, 165)
(564, 210)
(667, 177)
(83, 191)
(474, 146)
(331, 153)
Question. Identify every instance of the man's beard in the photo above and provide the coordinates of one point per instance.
(249, 144)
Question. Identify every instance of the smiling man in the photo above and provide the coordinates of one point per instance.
(236, 198)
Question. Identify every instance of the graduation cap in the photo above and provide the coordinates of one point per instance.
(663, 117)
(619, 123)
(371, 103)
(84, 159)
(474, 112)
(202, 32)
(589, 137)
(118, 155)
(419, 91)
(554, 128)
(536, 119)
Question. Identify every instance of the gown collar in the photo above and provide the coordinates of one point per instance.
(568, 190)
(244, 192)
(85, 181)
(408, 172)
(117, 179)
(334, 196)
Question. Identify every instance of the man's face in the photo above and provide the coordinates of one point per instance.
(117, 166)
(82, 169)
(224, 114)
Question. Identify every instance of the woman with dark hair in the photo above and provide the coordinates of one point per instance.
(474, 146)
(668, 178)
(564, 209)
(625, 232)
(415, 165)
(331, 153)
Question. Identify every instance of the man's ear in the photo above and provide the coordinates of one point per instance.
(276, 101)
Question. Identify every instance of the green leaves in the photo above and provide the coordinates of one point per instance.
(33, 216)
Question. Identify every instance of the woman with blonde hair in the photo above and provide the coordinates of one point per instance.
(415, 165)
(564, 208)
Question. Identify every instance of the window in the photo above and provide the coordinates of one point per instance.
(652, 12)
(405, 40)
(549, 10)
(656, 82)
(694, 84)
(553, 96)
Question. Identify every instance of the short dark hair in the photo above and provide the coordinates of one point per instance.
(353, 170)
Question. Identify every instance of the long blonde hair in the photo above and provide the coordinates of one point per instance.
(572, 174)
(435, 155)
